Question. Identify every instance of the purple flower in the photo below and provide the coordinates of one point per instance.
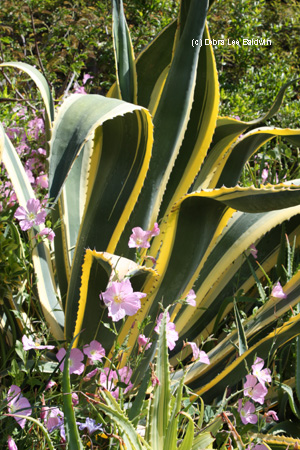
(121, 300)
(33, 216)
(48, 232)
(191, 298)
(94, 351)
(277, 291)
(17, 404)
(246, 412)
(262, 375)
(90, 425)
(11, 444)
(172, 335)
(144, 342)
(253, 251)
(76, 356)
(254, 390)
(139, 237)
(29, 344)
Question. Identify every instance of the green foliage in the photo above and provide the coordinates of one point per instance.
(115, 166)
(66, 40)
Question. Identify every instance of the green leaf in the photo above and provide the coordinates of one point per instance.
(172, 431)
(152, 65)
(171, 119)
(72, 433)
(112, 409)
(161, 395)
(241, 332)
(41, 255)
(125, 64)
(200, 129)
(136, 408)
(43, 87)
(297, 370)
(41, 427)
(232, 163)
(203, 440)
(187, 442)
(293, 404)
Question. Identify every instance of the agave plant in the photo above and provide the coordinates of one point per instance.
(155, 150)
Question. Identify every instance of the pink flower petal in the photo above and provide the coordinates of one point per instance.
(94, 351)
(121, 300)
(277, 291)
(191, 298)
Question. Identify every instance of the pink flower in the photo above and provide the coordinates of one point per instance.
(91, 374)
(264, 175)
(17, 404)
(75, 399)
(277, 291)
(79, 89)
(42, 181)
(246, 412)
(94, 351)
(198, 354)
(29, 344)
(50, 385)
(271, 415)
(253, 251)
(76, 356)
(109, 379)
(42, 151)
(154, 380)
(155, 230)
(48, 232)
(121, 300)
(35, 126)
(254, 390)
(53, 419)
(86, 77)
(262, 376)
(139, 237)
(144, 342)
(172, 335)
(33, 216)
(11, 444)
(30, 176)
(191, 298)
